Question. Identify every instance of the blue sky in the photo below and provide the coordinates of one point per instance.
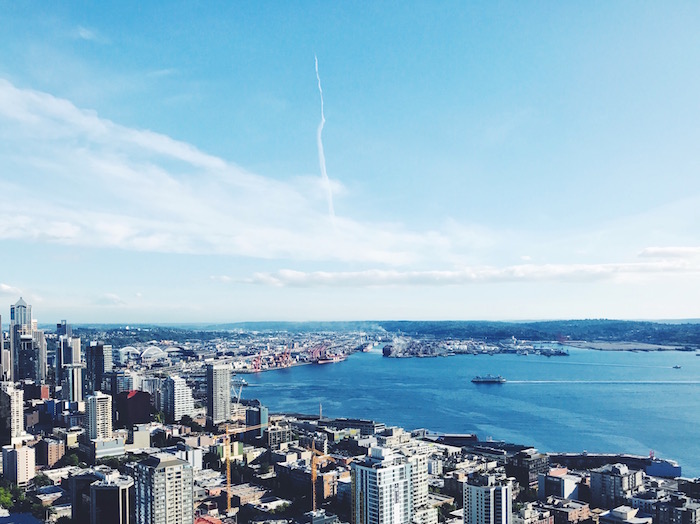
(160, 162)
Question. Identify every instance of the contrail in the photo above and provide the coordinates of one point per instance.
(321, 155)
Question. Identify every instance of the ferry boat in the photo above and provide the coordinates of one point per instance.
(489, 379)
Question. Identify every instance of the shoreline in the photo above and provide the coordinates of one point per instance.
(627, 346)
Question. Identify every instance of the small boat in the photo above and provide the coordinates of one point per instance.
(676, 367)
(237, 381)
(489, 379)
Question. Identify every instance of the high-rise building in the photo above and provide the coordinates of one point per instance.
(67, 354)
(164, 490)
(72, 384)
(112, 501)
(98, 409)
(423, 512)
(18, 464)
(218, 393)
(27, 352)
(381, 489)
(11, 413)
(98, 358)
(116, 381)
(64, 328)
(5, 359)
(488, 500)
(177, 398)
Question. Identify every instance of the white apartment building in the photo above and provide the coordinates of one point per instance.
(177, 398)
(381, 489)
(18, 464)
(488, 500)
(11, 413)
(164, 490)
(99, 416)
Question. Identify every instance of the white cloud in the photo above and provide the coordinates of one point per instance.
(6, 289)
(83, 180)
(109, 299)
(90, 35)
(221, 278)
(517, 273)
(671, 252)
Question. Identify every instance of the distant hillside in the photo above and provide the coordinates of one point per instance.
(677, 333)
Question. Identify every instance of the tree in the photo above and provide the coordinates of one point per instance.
(444, 510)
(71, 460)
(6, 498)
(42, 480)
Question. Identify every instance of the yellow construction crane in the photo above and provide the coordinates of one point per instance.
(227, 454)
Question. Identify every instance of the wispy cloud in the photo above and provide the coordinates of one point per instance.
(517, 273)
(109, 299)
(91, 35)
(6, 289)
(221, 278)
(671, 252)
(140, 190)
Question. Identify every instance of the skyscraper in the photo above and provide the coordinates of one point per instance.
(11, 413)
(423, 512)
(98, 414)
(72, 384)
(381, 489)
(27, 353)
(218, 393)
(177, 398)
(164, 490)
(5, 358)
(487, 500)
(98, 358)
(67, 354)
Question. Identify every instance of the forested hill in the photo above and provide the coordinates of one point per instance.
(679, 333)
(591, 330)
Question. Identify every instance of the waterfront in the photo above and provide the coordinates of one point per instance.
(591, 400)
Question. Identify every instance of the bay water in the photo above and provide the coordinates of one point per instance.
(599, 401)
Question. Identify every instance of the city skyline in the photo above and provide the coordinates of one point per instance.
(501, 162)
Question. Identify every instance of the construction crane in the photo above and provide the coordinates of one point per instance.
(227, 454)
(315, 454)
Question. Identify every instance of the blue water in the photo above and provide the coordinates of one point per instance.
(591, 400)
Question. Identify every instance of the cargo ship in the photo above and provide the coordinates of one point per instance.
(489, 379)
(331, 359)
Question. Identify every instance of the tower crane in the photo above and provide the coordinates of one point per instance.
(227, 454)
